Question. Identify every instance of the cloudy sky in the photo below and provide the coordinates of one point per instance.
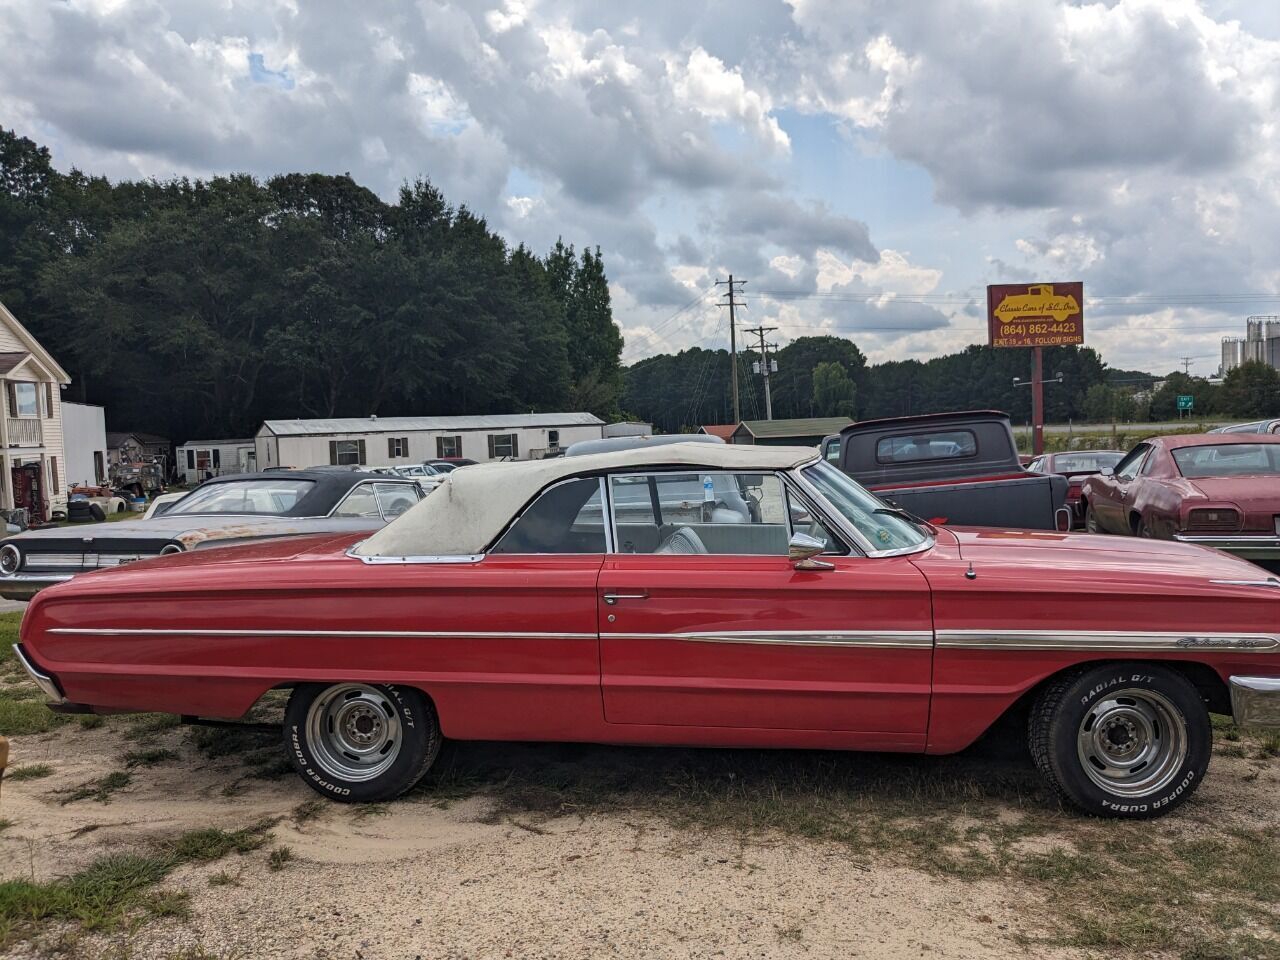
(868, 166)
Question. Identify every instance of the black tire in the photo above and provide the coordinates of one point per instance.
(1074, 734)
(323, 723)
(97, 512)
(1091, 524)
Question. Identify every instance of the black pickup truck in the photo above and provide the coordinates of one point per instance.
(960, 469)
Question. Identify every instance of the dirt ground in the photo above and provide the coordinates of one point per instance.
(462, 870)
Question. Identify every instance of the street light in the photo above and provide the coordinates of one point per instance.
(1019, 382)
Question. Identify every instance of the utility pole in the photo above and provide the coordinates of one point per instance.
(732, 304)
(1186, 364)
(764, 366)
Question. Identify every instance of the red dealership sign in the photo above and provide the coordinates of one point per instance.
(1035, 314)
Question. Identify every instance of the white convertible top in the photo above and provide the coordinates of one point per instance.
(474, 504)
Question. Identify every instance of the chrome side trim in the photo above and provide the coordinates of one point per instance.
(1136, 641)
(795, 638)
(48, 686)
(447, 558)
(1268, 582)
(251, 632)
(1255, 701)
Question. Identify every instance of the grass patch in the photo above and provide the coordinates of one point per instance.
(115, 890)
(259, 750)
(5, 825)
(368, 811)
(309, 810)
(29, 771)
(90, 721)
(100, 789)
(22, 705)
(279, 858)
(149, 757)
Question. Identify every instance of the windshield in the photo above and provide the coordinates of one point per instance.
(1229, 460)
(1082, 462)
(883, 530)
(267, 497)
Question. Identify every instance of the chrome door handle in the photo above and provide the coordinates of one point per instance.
(612, 598)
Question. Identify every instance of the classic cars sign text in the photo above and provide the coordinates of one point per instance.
(1035, 314)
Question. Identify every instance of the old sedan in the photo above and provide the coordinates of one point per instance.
(516, 603)
(1218, 490)
(1077, 466)
(220, 511)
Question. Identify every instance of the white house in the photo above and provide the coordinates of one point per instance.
(200, 459)
(400, 441)
(32, 462)
(84, 429)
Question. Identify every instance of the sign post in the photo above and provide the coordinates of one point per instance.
(1035, 315)
(1186, 403)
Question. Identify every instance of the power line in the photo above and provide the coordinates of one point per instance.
(760, 331)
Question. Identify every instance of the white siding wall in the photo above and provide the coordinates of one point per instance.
(85, 432)
(229, 459)
(312, 450)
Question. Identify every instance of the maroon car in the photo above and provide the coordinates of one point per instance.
(1219, 490)
(1077, 466)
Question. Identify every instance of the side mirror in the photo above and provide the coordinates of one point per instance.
(803, 550)
(1107, 472)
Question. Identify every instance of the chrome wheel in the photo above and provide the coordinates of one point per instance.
(1132, 743)
(1091, 521)
(354, 731)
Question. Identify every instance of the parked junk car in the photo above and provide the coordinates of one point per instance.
(1257, 426)
(235, 508)
(1076, 466)
(514, 603)
(138, 479)
(449, 464)
(953, 468)
(1215, 489)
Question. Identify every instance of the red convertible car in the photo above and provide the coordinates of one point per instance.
(697, 594)
(1218, 490)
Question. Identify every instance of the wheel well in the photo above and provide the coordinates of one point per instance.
(1135, 520)
(1211, 687)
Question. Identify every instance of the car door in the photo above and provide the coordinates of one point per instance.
(704, 622)
(1113, 495)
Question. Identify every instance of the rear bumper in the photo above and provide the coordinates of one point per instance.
(1255, 701)
(47, 684)
(1260, 546)
(24, 586)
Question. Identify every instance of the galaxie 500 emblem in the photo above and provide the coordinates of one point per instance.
(1228, 643)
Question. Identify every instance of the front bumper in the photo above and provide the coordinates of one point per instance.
(24, 586)
(48, 686)
(1259, 546)
(1255, 701)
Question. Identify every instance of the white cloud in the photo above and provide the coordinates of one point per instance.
(715, 91)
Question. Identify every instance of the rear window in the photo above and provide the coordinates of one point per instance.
(1229, 460)
(270, 497)
(914, 447)
(1082, 462)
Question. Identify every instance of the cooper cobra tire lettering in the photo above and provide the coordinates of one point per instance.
(1057, 733)
(418, 745)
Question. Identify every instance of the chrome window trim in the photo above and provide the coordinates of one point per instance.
(606, 516)
(395, 481)
(441, 558)
(848, 528)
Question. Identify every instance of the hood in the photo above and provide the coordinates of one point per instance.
(1094, 554)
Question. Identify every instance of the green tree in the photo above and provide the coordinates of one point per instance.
(833, 390)
(1251, 391)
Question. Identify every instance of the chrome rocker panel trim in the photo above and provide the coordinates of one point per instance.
(1135, 642)
(1263, 546)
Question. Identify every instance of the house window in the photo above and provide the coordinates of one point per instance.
(553, 439)
(217, 459)
(24, 400)
(345, 453)
(53, 473)
(503, 445)
(99, 473)
(191, 459)
(447, 447)
(397, 447)
(48, 399)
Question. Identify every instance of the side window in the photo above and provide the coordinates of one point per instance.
(1128, 468)
(832, 450)
(565, 518)
(1036, 465)
(700, 513)
(395, 498)
(360, 502)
